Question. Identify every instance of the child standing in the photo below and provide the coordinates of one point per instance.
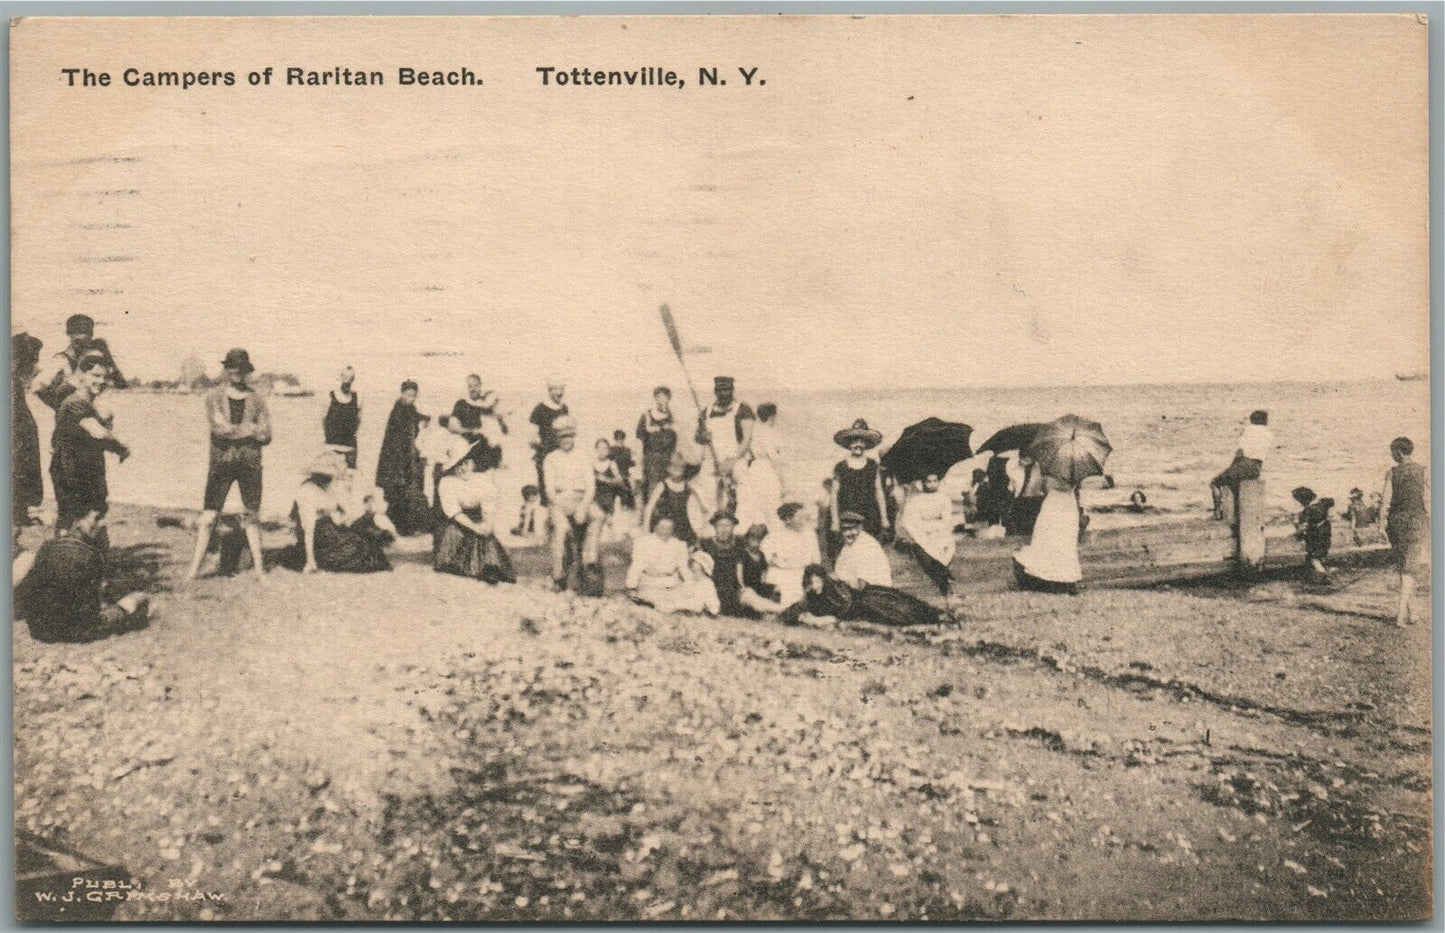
(1356, 513)
(1314, 527)
(527, 519)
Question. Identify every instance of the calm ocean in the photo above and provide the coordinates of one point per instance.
(1168, 439)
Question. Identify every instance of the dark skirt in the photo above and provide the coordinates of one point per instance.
(606, 497)
(1239, 469)
(27, 489)
(355, 548)
(883, 605)
(931, 566)
(1407, 541)
(467, 554)
(78, 496)
(1028, 581)
(1023, 512)
(408, 509)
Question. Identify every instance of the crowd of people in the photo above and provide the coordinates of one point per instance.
(713, 531)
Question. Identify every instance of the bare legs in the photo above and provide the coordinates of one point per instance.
(1405, 614)
(207, 525)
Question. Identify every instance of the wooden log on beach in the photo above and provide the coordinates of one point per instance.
(1143, 555)
(1249, 521)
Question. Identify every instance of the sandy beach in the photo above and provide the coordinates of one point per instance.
(414, 746)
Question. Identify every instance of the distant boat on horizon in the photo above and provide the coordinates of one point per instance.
(1412, 377)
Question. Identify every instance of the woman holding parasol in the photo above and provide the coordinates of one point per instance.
(1066, 452)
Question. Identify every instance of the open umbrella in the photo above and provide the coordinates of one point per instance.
(1071, 449)
(1014, 437)
(929, 447)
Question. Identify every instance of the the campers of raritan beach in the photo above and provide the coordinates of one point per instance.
(700, 649)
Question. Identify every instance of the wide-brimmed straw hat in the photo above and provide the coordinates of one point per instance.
(327, 463)
(787, 510)
(458, 450)
(858, 432)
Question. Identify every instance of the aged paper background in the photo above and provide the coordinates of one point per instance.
(1158, 222)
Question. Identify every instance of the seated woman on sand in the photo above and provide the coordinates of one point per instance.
(825, 595)
(326, 536)
(467, 544)
(790, 550)
(661, 575)
(1050, 561)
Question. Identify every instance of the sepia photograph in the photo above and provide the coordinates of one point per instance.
(738, 468)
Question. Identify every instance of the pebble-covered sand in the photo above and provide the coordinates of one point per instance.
(413, 746)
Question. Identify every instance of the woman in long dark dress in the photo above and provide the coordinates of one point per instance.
(27, 488)
(858, 484)
(994, 499)
(824, 595)
(467, 544)
(399, 470)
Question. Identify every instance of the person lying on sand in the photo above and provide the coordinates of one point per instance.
(827, 596)
(58, 588)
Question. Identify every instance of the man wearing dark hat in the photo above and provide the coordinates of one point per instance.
(58, 381)
(725, 430)
(862, 560)
(27, 488)
(240, 425)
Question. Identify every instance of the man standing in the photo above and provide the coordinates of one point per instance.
(725, 431)
(571, 489)
(56, 381)
(476, 418)
(78, 446)
(240, 426)
(343, 418)
(544, 431)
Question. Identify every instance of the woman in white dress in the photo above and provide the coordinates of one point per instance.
(927, 524)
(1050, 562)
(661, 575)
(466, 544)
(790, 550)
(759, 480)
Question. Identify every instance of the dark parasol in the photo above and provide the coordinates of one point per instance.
(1014, 437)
(929, 447)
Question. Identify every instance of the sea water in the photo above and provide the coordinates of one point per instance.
(1168, 440)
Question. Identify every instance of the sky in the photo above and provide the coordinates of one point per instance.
(907, 201)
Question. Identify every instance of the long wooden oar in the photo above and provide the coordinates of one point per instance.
(672, 337)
